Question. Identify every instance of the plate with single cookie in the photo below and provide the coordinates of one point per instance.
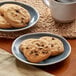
(17, 16)
(41, 49)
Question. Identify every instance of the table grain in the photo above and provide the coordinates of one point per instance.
(64, 68)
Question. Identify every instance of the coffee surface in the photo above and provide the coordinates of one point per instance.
(65, 1)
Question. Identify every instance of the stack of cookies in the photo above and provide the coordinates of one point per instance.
(13, 16)
(37, 50)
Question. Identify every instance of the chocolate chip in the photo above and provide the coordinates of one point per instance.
(35, 51)
(17, 11)
(36, 54)
(45, 52)
(2, 15)
(15, 14)
(22, 18)
(31, 52)
(46, 47)
(52, 45)
(22, 21)
(40, 48)
(27, 48)
(53, 38)
(37, 44)
(42, 45)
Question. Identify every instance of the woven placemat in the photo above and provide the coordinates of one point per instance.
(45, 24)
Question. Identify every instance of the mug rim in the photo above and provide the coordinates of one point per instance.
(64, 3)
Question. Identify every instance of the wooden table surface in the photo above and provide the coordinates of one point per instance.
(64, 68)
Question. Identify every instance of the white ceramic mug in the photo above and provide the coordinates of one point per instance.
(63, 12)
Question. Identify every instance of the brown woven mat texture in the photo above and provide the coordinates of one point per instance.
(45, 24)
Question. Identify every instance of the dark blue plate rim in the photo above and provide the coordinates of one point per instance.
(24, 28)
(44, 63)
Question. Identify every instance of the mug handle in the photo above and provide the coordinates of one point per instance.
(46, 2)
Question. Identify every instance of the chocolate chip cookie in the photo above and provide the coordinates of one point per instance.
(16, 15)
(24, 43)
(36, 50)
(55, 44)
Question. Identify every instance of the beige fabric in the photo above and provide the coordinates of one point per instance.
(45, 24)
(10, 66)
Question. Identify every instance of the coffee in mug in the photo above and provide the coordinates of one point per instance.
(65, 1)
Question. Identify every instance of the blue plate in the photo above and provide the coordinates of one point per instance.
(33, 12)
(52, 60)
